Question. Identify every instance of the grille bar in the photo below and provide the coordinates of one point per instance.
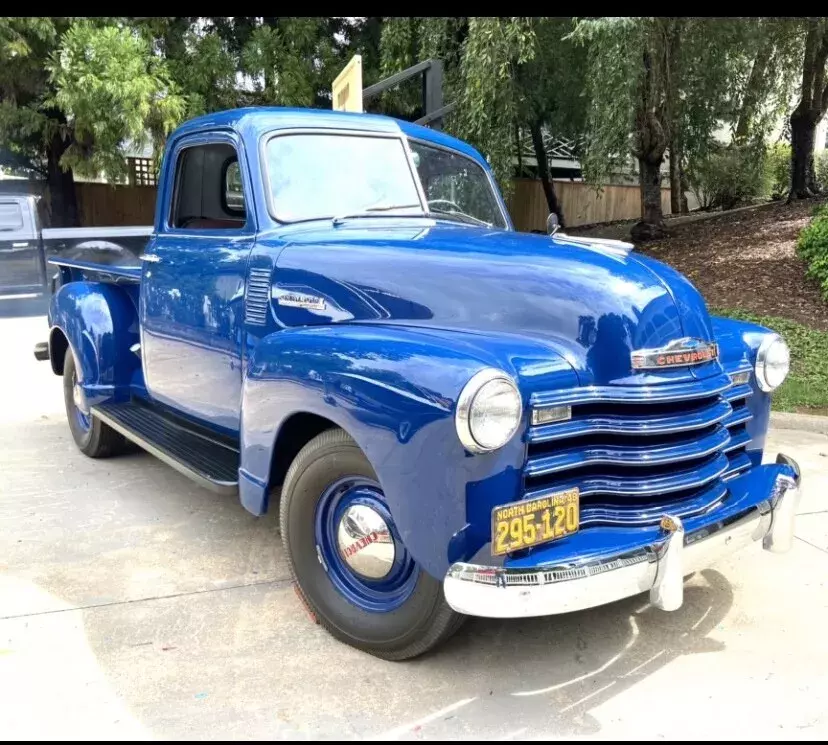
(599, 513)
(646, 454)
(645, 424)
(739, 416)
(738, 391)
(641, 394)
(630, 485)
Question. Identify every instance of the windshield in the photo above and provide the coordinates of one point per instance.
(324, 175)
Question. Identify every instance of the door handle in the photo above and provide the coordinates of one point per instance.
(150, 258)
(23, 244)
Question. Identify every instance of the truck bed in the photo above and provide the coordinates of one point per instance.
(95, 252)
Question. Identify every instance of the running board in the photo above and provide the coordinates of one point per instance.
(207, 461)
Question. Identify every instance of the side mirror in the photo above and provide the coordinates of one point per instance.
(552, 224)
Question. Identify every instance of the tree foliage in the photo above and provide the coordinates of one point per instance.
(25, 122)
(112, 92)
(75, 91)
(507, 76)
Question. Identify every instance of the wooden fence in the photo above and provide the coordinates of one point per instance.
(582, 204)
(105, 204)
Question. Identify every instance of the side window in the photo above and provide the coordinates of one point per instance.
(11, 216)
(208, 193)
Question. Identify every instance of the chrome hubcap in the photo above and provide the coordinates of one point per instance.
(365, 542)
(79, 399)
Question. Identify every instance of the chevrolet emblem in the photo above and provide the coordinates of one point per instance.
(678, 353)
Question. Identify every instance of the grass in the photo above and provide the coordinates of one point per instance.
(806, 388)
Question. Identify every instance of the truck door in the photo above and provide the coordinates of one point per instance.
(193, 277)
(21, 261)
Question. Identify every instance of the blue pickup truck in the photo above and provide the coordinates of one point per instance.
(334, 317)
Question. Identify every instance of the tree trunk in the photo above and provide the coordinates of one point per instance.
(651, 226)
(651, 138)
(755, 88)
(685, 187)
(543, 172)
(672, 110)
(61, 184)
(675, 180)
(803, 138)
(813, 102)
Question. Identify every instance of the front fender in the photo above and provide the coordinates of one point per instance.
(738, 344)
(100, 323)
(394, 390)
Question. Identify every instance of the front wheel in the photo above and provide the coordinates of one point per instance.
(347, 558)
(91, 435)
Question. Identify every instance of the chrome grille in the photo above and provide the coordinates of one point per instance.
(635, 452)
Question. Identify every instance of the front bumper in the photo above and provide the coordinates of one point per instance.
(762, 508)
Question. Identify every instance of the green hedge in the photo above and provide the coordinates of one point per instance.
(806, 387)
(729, 176)
(778, 169)
(812, 246)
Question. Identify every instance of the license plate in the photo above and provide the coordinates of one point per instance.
(528, 523)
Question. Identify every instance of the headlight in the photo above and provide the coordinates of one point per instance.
(488, 411)
(773, 360)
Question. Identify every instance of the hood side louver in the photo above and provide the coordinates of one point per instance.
(257, 299)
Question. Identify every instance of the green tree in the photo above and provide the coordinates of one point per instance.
(506, 75)
(632, 62)
(220, 63)
(72, 91)
(34, 134)
(811, 107)
(659, 85)
(112, 91)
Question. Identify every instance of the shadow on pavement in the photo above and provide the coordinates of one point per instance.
(555, 670)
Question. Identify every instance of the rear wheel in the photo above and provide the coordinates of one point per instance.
(91, 435)
(348, 560)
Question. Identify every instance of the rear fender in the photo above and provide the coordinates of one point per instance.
(100, 323)
(394, 390)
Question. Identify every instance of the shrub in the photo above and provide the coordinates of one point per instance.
(821, 169)
(778, 170)
(812, 246)
(728, 176)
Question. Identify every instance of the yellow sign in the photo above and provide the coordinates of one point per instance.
(347, 88)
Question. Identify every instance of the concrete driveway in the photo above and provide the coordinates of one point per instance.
(134, 604)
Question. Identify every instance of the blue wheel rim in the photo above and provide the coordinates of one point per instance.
(374, 595)
(83, 420)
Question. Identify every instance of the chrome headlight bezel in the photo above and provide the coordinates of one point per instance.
(466, 402)
(760, 368)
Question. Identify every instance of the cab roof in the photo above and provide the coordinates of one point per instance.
(257, 120)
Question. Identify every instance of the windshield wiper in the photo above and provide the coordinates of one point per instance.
(372, 210)
(463, 217)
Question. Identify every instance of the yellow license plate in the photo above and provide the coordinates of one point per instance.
(528, 523)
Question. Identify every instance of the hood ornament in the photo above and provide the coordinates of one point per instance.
(678, 353)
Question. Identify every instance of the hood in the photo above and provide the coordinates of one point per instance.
(592, 304)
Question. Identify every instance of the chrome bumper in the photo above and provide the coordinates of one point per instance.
(658, 566)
